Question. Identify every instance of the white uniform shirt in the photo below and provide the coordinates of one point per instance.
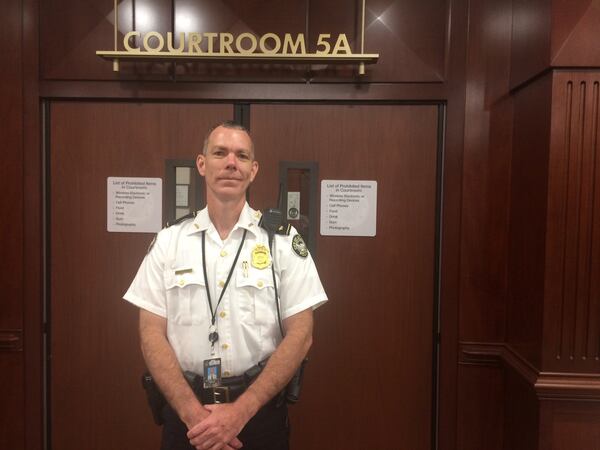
(170, 283)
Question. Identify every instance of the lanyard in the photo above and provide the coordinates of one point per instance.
(213, 336)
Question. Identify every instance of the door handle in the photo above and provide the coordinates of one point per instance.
(11, 340)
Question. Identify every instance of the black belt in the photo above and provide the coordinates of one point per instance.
(229, 390)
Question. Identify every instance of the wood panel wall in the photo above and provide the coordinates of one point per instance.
(527, 219)
(484, 245)
(12, 388)
(553, 316)
(410, 52)
(493, 63)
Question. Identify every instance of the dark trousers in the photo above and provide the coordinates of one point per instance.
(267, 430)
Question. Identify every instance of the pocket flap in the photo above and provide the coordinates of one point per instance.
(259, 279)
(182, 277)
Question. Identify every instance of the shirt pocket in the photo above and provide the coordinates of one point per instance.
(257, 297)
(186, 296)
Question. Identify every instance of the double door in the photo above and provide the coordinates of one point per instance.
(371, 378)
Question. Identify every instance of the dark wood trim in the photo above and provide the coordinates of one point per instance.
(33, 230)
(480, 354)
(454, 92)
(242, 91)
(568, 386)
(519, 364)
(547, 385)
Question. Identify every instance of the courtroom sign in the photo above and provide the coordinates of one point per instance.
(244, 47)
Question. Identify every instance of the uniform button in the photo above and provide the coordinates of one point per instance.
(260, 284)
(196, 225)
(222, 314)
(221, 284)
(181, 282)
(224, 346)
(223, 253)
(226, 373)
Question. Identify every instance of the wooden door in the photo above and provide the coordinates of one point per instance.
(96, 399)
(369, 381)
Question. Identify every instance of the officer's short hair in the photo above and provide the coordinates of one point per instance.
(232, 125)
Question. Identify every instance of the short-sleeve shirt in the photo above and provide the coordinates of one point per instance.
(170, 283)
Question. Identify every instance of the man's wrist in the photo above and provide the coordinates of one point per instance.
(248, 403)
(194, 415)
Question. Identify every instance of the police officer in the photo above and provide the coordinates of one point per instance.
(206, 292)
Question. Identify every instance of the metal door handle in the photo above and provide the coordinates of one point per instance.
(11, 340)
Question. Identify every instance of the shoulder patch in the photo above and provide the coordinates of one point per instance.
(299, 246)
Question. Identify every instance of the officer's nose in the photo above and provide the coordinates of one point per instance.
(231, 160)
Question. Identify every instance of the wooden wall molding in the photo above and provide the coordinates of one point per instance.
(480, 353)
(193, 91)
(547, 385)
(571, 386)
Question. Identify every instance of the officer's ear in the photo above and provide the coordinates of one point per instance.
(201, 164)
(254, 170)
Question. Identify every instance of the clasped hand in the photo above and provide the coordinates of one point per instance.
(219, 429)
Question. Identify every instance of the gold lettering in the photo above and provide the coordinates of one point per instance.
(276, 41)
(126, 40)
(226, 39)
(194, 40)
(159, 38)
(342, 45)
(290, 46)
(211, 40)
(229, 44)
(170, 43)
(253, 43)
(322, 41)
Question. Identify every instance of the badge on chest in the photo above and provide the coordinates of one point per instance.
(260, 257)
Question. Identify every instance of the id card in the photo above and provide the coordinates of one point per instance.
(212, 372)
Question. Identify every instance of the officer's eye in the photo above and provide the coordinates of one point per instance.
(243, 156)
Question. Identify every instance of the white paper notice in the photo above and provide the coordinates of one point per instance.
(348, 208)
(134, 205)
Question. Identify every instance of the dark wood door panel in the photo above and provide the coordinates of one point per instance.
(12, 393)
(96, 398)
(371, 365)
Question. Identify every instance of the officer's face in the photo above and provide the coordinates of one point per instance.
(228, 166)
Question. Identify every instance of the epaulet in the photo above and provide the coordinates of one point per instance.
(181, 219)
(284, 229)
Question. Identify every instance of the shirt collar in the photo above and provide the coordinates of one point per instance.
(249, 219)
